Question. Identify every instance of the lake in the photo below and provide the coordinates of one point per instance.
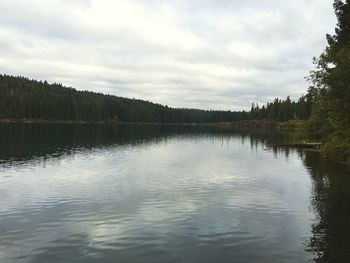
(133, 193)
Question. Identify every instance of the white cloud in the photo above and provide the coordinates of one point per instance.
(206, 54)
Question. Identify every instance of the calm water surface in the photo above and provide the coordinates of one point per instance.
(84, 193)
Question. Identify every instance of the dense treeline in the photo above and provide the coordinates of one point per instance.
(283, 110)
(330, 118)
(22, 98)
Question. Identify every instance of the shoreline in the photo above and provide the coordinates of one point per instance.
(39, 121)
(232, 124)
(293, 127)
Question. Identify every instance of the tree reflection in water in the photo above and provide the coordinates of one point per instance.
(331, 203)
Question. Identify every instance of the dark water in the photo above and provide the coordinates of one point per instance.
(84, 193)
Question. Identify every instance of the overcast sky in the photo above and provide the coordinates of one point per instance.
(210, 54)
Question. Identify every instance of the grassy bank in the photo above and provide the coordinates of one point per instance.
(335, 147)
(292, 125)
(246, 125)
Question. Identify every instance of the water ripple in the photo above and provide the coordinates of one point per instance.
(180, 199)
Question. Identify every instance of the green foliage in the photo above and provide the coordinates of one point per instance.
(337, 146)
(283, 110)
(331, 78)
(319, 125)
(330, 118)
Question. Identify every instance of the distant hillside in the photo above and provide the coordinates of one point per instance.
(25, 99)
(22, 98)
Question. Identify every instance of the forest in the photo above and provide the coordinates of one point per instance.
(25, 99)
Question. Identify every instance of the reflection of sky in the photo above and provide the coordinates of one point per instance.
(173, 196)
